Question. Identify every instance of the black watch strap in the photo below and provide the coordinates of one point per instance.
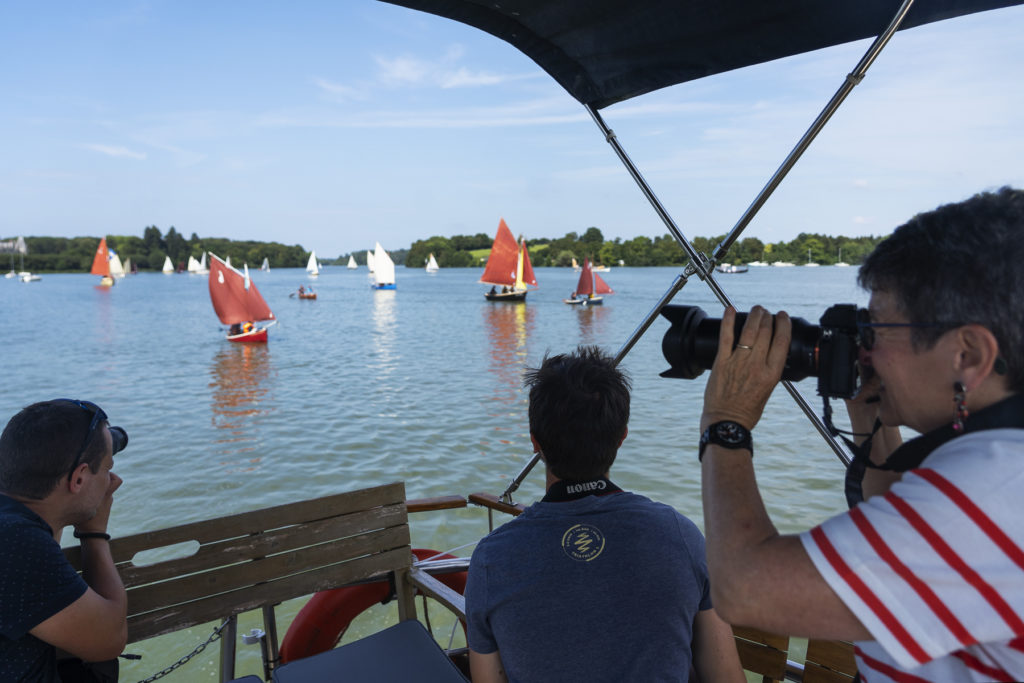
(727, 434)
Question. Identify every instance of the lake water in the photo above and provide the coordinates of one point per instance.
(361, 387)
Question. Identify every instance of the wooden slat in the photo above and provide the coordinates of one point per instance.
(829, 661)
(223, 605)
(433, 588)
(437, 503)
(762, 653)
(493, 502)
(239, 549)
(224, 579)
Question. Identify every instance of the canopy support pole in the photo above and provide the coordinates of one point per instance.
(703, 266)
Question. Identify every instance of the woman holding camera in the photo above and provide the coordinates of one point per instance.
(927, 574)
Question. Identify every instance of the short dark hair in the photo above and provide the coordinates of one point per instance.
(40, 443)
(959, 263)
(579, 410)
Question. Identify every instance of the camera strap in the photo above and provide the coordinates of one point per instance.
(564, 490)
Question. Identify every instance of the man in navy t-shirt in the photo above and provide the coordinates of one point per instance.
(592, 583)
(55, 471)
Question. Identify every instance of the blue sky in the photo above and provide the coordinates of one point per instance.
(335, 124)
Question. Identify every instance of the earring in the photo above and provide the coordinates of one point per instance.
(960, 413)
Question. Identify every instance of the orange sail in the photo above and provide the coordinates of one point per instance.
(528, 276)
(101, 261)
(501, 265)
(590, 282)
(234, 296)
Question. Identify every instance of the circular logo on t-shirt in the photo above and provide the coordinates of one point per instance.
(583, 542)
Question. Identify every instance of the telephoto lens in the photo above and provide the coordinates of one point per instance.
(827, 351)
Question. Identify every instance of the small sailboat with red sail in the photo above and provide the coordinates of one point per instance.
(589, 288)
(101, 264)
(508, 266)
(238, 303)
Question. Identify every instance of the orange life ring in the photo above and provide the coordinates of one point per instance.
(323, 620)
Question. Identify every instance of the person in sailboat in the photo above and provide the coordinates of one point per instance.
(926, 573)
(493, 291)
(55, 471)
(592, 583)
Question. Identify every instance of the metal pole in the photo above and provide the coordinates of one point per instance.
(851, 81)
(702, 266)
(227, 649)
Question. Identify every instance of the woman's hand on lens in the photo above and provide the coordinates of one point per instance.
(743, 378)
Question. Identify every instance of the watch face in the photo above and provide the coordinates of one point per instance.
(730, 432)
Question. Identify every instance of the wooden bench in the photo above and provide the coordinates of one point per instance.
(256, 560)
(767, 655)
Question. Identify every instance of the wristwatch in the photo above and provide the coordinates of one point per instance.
(727, 434)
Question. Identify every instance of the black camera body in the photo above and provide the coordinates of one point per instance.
(827, 351)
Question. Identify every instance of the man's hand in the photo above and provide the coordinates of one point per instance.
(99, 521)
(742, 379)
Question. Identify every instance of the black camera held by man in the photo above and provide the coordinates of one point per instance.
(827, 351)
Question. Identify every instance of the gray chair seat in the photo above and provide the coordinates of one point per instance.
(399, 654)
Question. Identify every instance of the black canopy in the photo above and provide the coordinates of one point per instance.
(607, 51)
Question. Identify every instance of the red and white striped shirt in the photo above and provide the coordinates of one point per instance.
(934, 569)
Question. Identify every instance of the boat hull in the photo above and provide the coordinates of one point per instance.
(391, 286)
(589, 301)
(307, 296)
(257, 336)
(505, 296)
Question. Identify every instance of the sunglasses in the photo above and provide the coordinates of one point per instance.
(118, 436)
(866, 329)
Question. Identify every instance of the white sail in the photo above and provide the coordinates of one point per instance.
(266, 265)
(168, 266)
(116, 269)
(383, 267)
(352, 265)
(228, 262)
(432, 265)
(193, 265)
(128, 266)
(311, 267)
(369, 260)
(203, 270)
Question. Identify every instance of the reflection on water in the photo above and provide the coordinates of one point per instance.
(384, 329)
(593, 322)
(239, 382)
(509, 325)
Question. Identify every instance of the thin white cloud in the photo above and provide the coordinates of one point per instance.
(115, 151)
(338, 91)
(444, 72)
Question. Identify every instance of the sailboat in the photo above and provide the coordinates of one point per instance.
(238, 303)
(193, 265)
(352, 265)
(841, 263)
(168, 266)
(575, 265)
(810, 263)
(129, 267)
(384, 269)
(266, 265)
(432, 266)
(508, 266)
(203, 270)
(589, 287)
(312, 267)
(116, 269)
(369, 260)
(101, 264)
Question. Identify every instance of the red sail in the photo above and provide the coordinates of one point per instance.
(528, 276)
(233, 302)
(501, 265)
(101, 261)
(590, 282)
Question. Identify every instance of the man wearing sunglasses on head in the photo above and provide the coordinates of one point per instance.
(56, 459)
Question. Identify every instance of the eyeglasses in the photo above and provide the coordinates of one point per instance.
(98, 417)
(866, 329)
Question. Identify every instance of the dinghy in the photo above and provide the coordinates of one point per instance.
(100, 264)
(384, 269)
(589, 288)
(508, 266)
(238, 303)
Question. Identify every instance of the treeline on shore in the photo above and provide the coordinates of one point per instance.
(470, 250)
(64, 254)
(70, 254)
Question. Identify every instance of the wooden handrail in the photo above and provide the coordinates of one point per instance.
(435, 503)
(489, 500)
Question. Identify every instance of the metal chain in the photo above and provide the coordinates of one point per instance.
(184, 660)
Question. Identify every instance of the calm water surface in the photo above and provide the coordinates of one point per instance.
(364, 387)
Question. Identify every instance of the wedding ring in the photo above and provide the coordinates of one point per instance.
(744, 346)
